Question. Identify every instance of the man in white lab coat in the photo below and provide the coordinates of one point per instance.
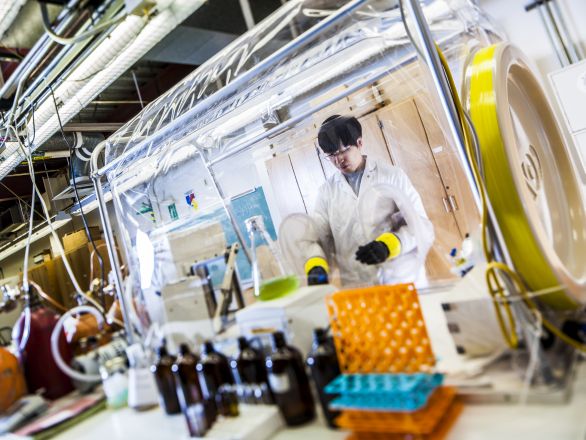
(343, 225)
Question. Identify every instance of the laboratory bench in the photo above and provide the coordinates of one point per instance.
(476, 422)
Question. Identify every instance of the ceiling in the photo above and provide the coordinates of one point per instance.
(202, 35)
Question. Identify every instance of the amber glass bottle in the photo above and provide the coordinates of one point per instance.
(249, 366)
(165, 381)
(324, 367)
(186, 378)
(289, 382)
(213, 370)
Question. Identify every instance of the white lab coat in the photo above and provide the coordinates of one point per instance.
(342, 227)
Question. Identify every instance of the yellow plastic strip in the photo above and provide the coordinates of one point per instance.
(316, 262)
(506, 201)
(495, 287)
(392, 242)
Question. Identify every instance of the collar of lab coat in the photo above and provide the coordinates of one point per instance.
(369, 168)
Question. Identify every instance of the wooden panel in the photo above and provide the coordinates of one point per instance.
(308, 172)
(402, 84)
(44, 275)
(340, 107)
(450, 168)
(373, 141)
(365, 101)
(357, 104)
(410, 151)
(284, 185)
(79, 260)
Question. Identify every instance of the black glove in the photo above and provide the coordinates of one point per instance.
(375, 252)
(317, 275)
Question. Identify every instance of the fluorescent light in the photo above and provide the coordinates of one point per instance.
(39, 232)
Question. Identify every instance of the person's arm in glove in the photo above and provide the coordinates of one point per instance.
(385, 247)
(317, 270)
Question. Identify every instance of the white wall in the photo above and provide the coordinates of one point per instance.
(525, 29)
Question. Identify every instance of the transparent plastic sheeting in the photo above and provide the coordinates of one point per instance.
(237, 139)
(202, 108)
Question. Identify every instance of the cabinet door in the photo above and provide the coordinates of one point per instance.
(284, 185)
(410, 150)
(451, 169)
(373, 140)
(328, 167)
(308, 172)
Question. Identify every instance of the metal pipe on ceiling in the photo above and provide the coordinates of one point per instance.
(55, 52)
(68, 59)
(39, 50)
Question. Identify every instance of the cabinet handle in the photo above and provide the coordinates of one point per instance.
(453, 203)
(447, 205)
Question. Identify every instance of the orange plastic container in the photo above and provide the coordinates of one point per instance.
(423, 421)
(439, 433)
(380, 329)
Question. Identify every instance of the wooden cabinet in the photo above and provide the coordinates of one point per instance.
(373, 141)
(284, 185)
(458, 190)
(409, 148)
(308, 172)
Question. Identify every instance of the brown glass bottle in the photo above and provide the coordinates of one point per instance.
(186, 378)
(249, 366)
(213, 370)
(289, 382)
(165, 381)
(324, 367)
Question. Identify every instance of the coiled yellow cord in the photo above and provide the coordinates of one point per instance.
(496, 290)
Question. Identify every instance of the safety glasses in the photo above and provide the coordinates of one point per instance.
(333, 157)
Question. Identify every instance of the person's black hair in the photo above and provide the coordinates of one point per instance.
(338, 131)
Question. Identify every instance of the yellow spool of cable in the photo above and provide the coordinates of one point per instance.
(529, 176)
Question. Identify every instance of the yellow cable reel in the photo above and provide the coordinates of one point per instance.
(529, 176)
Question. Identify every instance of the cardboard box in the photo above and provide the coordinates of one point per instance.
(77, 239)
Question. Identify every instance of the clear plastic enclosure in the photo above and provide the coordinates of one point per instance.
(226, 167)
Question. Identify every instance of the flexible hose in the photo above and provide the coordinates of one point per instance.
(65, 41)
(65, 260)
(55, 335)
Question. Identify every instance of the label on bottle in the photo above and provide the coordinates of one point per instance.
(279, 383)
(196, 420)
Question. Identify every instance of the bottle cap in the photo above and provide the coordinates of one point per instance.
(242, 343)
(279, 340)
(184, 349)
(207, 347)
(320, 335)
(162, 351)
